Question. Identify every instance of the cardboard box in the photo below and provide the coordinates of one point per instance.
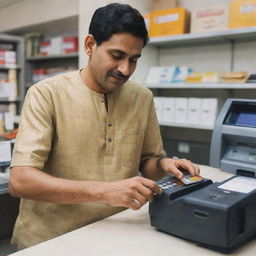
(158, 101)
(209, 109)
(210, 77)
(195, 77)
(194, 110)
(44, 48)
(160, 75)
(181, 110)
(212, 18)
(242, 13)
(169, 22)
(69, 44)
(234, 77)
(163, 4)
(181, 74)
(168, 109)
(59, 45)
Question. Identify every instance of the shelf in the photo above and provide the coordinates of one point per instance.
(192, 126)
(203, 86)
(191, 38)
(5, 101)
(8, 68)
(61, 56)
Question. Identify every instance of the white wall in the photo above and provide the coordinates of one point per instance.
(31, 12)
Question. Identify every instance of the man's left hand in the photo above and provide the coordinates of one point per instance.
(176, 166)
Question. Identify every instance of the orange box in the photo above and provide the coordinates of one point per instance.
(169, 22)
(242, 13)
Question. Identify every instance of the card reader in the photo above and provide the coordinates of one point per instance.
(219, 215)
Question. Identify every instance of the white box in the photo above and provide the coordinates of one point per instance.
(10, 59)
(209, 111)
(181, 74)
(168, 109)
(158, 75)
(194, 110)
(5, 151)
(56, 45)
(181, 110)
(8, 121)
(158, 101)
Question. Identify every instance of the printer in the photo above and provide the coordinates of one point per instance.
(233, 146)
(219, 215)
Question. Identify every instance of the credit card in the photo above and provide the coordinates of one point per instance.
(189, 179)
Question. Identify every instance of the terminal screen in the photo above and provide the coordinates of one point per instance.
(246, 118)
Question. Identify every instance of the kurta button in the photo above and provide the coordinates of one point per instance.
(109, 124)
(109, 139)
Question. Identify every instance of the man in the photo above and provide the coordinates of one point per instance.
(84, 137)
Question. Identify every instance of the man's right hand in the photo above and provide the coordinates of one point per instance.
(131, 193)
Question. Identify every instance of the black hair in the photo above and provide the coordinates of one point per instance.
(116, 18)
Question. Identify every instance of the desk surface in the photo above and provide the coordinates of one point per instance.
(129, 233)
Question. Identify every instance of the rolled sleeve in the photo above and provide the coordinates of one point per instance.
(35, 135)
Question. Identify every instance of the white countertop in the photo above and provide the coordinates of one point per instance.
(129, 233)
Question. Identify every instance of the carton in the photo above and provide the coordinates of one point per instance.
(242, 13)
(158, 102)
(160, 75)
(181, 110)
(209, 107)
(234, 77)
(169, 22)
(168, 109)
(194, 110)
(212, 18)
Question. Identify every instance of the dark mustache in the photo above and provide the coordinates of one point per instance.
(118, 75)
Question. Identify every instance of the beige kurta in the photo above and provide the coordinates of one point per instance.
(66, 131)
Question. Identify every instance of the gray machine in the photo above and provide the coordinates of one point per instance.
(233, 146)
(216, 215)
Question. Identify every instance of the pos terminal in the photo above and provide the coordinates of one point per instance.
(220, 215)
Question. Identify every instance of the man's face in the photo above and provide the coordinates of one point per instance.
(114, 61)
